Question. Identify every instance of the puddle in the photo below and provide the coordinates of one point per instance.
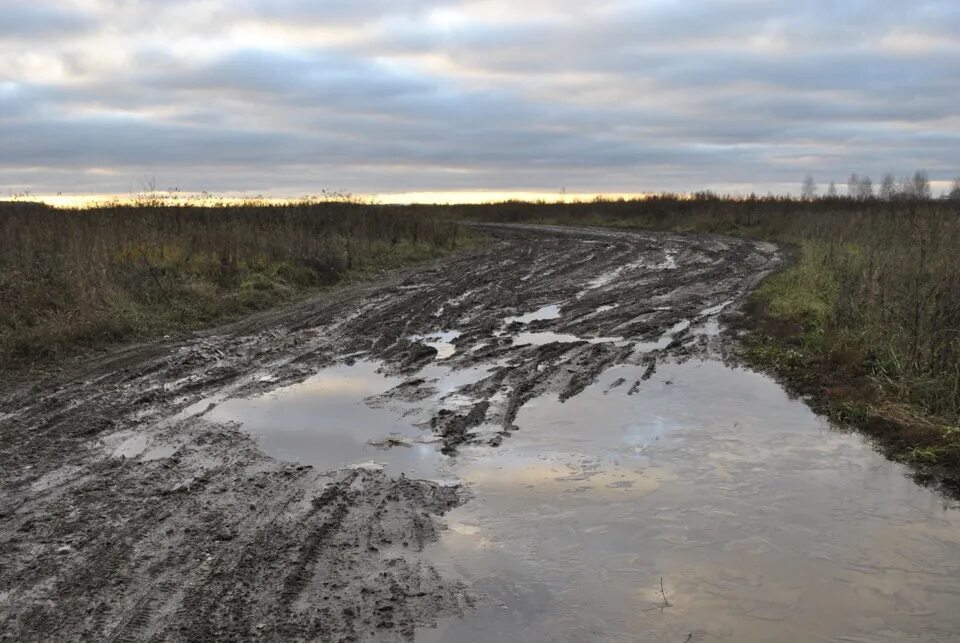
(764, 523)
(446, 381)
(539, 338)
(713, 310)
(342, 417)
(327, 422)
(547, 312)
(607, 277)
(139, 446)
(443, 342)
(664, 340)
(546, 337)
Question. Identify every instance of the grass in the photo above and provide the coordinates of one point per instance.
(78, 280)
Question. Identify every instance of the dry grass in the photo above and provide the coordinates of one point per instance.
(72, 280)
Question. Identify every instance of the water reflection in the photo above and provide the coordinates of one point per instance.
(442, 341)
(326, 422)
(547, 312)
(763, 522)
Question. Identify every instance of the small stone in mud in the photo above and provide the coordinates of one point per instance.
(616, 383)
(391, 442)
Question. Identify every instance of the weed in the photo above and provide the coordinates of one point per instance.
(926, 455)
(849, 412)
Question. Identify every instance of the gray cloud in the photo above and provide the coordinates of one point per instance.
(417, 95)
(23, 20)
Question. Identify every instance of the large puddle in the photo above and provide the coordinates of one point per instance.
(762, 522)
(339, 418)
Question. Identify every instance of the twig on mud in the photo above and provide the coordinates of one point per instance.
(666, 603)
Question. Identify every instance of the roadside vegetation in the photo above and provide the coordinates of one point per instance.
(865, 319)
(75, 280)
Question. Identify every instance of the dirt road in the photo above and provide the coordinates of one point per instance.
(129, 512)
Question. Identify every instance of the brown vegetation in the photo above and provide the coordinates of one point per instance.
(71, 280)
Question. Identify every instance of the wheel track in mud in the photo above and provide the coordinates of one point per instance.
(92, 544)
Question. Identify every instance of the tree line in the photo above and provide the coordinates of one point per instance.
(890, 189)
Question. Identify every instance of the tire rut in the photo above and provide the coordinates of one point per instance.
(213, 539)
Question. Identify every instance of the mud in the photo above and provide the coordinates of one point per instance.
(140, 501)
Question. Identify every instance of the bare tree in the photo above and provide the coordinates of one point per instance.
(832, 191)
(888, 187)
(906, 188)
(864, 188)
(808, 190)
(852, 183)
(921, 185)
(954, 194)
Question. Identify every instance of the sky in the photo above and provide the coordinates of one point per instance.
(291, 97)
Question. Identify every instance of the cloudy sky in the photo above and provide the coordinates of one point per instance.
(288, 97)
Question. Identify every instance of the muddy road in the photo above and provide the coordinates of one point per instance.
(339, 469)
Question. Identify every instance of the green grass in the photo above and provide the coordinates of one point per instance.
(805, 291)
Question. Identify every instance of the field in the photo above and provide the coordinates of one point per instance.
(75, 280)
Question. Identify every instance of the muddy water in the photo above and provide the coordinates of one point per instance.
(764, 523)
(334, 419)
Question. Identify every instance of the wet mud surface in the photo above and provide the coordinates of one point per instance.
(510, 445)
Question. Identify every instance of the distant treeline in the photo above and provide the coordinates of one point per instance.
(890, 188)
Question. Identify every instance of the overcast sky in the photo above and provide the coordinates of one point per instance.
(288, 97)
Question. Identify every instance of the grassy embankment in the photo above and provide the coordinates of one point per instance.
(865, 319)
(76, 280)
